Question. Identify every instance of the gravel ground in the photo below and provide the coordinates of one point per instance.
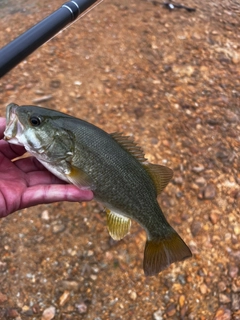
(170, 79)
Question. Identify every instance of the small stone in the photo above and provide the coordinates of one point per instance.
(55, 83)
(3, 297)
(66, 285)
(57, 228)
(3, 266)
(195, 227)
(200, 181)
(203, 288)
(157, 315)
(171, 310)
(236, 286)
(233, 271)
(222, 286)
(81, 307)
(236, 229)
(133, 295)
(198, 169)
(45, 215)
(77, 83)
(42, 99)
(235, 302)
(49, 313)
(181, 300)
(222, 314)
(9, 86)
(209, 192)
(231, 117)
(214, 217)
(12, 313)
(178, 180)
(223, 298)
(64, 297)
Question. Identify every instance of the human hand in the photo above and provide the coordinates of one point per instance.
(26, 182)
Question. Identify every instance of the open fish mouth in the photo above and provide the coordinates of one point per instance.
(13, 127)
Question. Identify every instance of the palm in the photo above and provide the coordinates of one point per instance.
(25, 182)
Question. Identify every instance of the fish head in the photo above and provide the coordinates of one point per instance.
(38, 130)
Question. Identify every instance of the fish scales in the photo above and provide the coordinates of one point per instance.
(112, 166)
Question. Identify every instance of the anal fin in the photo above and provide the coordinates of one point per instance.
(118, 225)
(161, 252)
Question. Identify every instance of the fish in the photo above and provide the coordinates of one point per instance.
(113, 166)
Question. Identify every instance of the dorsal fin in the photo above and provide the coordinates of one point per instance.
(129, 145)
(160, 175)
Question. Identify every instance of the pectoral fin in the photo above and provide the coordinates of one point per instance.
(80, 179)
(118, 225)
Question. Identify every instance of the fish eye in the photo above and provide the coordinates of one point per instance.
(35, 121)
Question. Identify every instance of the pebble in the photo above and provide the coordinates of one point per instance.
(133, 295)
(64, 297)
(200, 181)
(222, 286)
(233, 271)
(81, 307)
(55, 83)
(49, 313)
(181, 300)
(231, 117)
(195, 228)
(45, 215)
(171, 310)
(3, 297)
(223, 298)
(198, 169)
(42, 99)
(57, 228)
(9, 86)
(157, 315)
(214, 217)
(66, 285)
(178, 180)
(209, 192)
(12, 313)
(236, 230)
(235, 302)
(222, 314)
(203, 288)
(236, 286)
(3, 266)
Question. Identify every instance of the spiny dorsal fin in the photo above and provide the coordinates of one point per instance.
(160, 175)
(118, 225)
(129, 145)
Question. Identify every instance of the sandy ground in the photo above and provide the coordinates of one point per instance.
(170, 79)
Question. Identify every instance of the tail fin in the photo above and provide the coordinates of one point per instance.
(161, 252)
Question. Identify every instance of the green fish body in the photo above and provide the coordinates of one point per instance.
(111, 165)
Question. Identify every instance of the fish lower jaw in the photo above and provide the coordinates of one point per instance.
(13, 140)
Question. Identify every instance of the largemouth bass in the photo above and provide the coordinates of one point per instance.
(112, 166)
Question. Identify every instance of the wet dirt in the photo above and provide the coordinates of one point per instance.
(170, 79)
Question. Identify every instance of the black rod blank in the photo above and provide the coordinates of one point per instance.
(21, 47)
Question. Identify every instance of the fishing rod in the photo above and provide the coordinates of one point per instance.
(21, 47)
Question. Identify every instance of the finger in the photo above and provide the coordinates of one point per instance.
(2, 126)
(53, 193)
(43, 177)
(29, 164)
(11, 151)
